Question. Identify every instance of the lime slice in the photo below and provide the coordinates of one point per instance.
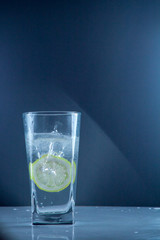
(51, 173)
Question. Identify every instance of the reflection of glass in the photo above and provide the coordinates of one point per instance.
(52, 144)
(44, 237)
(65, 233)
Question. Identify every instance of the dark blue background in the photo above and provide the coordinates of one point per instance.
(98, 57)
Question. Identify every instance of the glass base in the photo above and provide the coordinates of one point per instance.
(51, 219)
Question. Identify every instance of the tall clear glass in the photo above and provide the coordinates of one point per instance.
(52, 146)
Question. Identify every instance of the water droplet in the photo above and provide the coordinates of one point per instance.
(41, 203)
(138, 207)
(76, 212)
(150, 208)
(135, 232)
(67, 231)
(15, 209)
(27, 210)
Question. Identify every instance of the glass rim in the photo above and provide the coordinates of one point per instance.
(52, 113)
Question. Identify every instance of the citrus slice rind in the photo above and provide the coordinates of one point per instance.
(74, 171)
(51, 173)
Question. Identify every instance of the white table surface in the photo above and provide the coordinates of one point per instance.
(109, 223)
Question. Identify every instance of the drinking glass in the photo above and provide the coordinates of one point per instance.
(52, 146)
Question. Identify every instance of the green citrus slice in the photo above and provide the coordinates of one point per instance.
(51, 173)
